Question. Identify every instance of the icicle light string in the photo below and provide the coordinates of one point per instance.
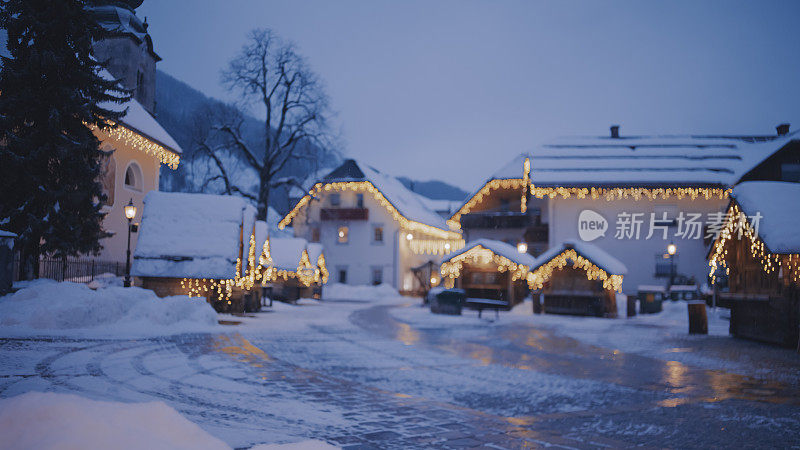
(128, 137)
(737, 225)
(406, 225)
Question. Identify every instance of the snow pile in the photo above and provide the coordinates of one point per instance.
(338, 291)
(105, 280)
(50, 420)
(46, 306)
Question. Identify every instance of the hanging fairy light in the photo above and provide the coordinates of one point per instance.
(738, 225)
(410, 226)
(121, 134)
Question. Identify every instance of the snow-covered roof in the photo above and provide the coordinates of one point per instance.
(7, 234)
(668, 161)
(139, 120)
(190, 235)
(779, 205)
(286, 252)
(498, 248)
(596, 255)
(648, 160)
(406, 202)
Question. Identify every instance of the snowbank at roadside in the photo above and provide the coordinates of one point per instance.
(50, 420)
(49, 307)
(338, 291)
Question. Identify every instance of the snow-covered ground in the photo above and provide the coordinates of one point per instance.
(365, 366)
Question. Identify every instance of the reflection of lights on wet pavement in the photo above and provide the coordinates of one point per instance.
(675, 374)
(405, 334)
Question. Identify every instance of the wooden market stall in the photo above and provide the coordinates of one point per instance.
(758, 251)
(197, 245)
(577, 278)
(489, 269)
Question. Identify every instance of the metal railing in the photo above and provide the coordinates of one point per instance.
(79, 270)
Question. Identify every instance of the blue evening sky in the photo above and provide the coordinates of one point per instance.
(451, 90)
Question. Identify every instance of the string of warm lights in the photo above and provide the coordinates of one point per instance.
(322, 269)
(543, 273)
(451, 269)
(737, 224)
(128, 137)
(634, 193)
(263, 271)
(492, 185)
(526, 178)
(435, 246)
(366, 186)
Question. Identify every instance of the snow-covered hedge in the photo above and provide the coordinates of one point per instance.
(49, 307)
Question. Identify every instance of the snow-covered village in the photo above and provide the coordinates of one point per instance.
(398, 225)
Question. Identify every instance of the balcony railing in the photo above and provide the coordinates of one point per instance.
(344, 214)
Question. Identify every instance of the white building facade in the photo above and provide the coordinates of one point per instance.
(372, 228)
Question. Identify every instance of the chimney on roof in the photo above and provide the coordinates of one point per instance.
(783, 129)
(615, 131)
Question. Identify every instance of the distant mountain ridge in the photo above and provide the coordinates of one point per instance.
(437, 190)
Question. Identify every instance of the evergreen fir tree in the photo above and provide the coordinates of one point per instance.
(51, 92)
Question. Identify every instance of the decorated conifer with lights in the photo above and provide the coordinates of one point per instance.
(50, 89)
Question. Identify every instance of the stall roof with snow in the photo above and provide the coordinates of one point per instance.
(596, 262)
(499, 248)
(405, 206)
(779, 205)
(191, 235)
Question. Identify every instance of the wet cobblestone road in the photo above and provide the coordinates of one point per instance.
(375, 382)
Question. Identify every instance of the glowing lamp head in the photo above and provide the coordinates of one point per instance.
(341, 233)
(130, 210)
(434, 281)
(522, 247)
(447, 246)
(409, 236)
(672, 249)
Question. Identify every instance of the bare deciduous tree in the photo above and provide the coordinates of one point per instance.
(269, 73)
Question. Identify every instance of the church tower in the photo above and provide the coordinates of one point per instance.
(128, 48)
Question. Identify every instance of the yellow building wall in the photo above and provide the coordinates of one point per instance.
(114, 247)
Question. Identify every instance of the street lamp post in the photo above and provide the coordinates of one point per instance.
(671, 251)
(130, 213)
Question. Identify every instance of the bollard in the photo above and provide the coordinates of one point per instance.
(631, 306)
(698, 320)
